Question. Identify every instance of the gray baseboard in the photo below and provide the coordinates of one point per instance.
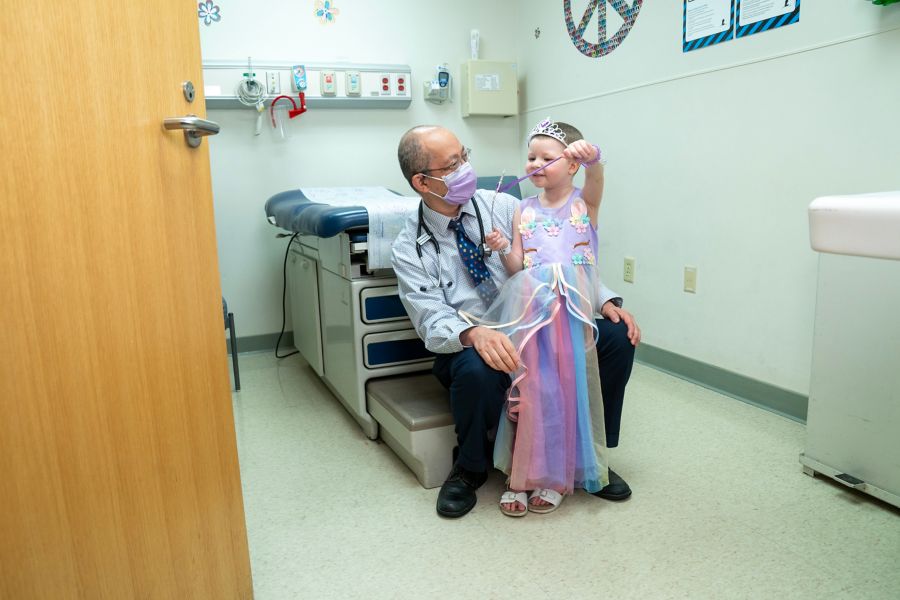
(255, 343)
(752, 391)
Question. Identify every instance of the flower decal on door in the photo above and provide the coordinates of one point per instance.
(326, 11)
(209, 13)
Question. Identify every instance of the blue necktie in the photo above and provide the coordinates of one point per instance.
(474, 263)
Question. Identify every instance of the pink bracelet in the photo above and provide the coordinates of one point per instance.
(591, 163)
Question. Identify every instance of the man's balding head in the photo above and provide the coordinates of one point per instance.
(416, 146)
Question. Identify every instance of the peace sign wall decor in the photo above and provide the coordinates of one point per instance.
(604, 45)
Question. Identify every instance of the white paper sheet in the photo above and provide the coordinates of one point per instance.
(760, 10)
(386, 219)
(387, 213)
(706, 17)
(347, 196)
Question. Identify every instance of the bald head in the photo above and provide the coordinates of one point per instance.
(419, 145)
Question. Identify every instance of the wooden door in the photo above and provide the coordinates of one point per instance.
(118, 463)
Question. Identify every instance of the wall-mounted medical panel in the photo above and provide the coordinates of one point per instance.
(327, 85)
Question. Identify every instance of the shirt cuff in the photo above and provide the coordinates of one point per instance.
(460, 332)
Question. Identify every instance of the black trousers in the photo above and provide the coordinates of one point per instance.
(477, 393)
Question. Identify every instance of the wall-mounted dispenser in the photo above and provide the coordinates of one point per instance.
(438, 89)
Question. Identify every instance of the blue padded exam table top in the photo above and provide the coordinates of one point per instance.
(293, 211)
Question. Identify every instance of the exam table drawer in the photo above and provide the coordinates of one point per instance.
(382, 305)
(390, 348)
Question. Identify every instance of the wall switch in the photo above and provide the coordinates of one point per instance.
(628, 273)
(273, 82)
(690, 279)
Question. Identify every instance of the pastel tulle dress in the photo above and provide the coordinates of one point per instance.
(552, 434)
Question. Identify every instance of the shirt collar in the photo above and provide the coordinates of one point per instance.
(441, 223)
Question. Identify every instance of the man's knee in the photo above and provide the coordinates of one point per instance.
(471, 369)
(613, 342)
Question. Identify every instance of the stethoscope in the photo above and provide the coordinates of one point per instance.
(484, 251)
(424, 235)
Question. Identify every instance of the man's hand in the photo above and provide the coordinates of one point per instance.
(494, 348)
(615, 314)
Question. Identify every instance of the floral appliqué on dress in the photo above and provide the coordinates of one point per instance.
(586, 258)
(552, 226)
(579, 218)
(531, 260)
(527, 224)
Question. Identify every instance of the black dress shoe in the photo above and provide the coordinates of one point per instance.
(457, 495)
(616, 490)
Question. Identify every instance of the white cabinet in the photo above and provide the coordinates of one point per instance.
(303, 279)
(853, 424)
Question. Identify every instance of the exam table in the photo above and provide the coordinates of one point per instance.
(352, 329)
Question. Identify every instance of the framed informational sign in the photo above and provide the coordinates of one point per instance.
(707, 22)
(756, 16)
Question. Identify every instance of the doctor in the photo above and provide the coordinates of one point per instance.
(441, 266)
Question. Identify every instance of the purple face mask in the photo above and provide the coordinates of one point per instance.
(461, 185)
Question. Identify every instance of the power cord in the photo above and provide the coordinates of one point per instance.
(284, 295)
(252, 93)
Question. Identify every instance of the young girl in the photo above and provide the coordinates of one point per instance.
(552, 439)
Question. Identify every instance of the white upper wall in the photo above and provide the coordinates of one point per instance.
(714, 156)
(335, 147)
(652, 50)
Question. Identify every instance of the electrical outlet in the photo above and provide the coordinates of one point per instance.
(690, 279)
(628, 273)
(273, 82)
(402, 84)
(385, 82)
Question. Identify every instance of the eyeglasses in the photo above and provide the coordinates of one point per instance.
(464, 158)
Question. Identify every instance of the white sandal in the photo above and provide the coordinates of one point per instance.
(553, 497)
(509, 497)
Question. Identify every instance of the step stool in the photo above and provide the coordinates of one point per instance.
(413, 414)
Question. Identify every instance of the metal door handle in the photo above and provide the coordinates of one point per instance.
(194, 128)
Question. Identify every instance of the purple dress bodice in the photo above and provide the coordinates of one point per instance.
(563, 235)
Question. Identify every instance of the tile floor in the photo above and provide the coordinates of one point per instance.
(721, 509)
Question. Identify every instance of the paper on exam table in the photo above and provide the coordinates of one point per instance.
(348, 196)
(386, 219)
(387, 213)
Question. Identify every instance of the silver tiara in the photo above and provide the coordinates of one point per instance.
(548, 128)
